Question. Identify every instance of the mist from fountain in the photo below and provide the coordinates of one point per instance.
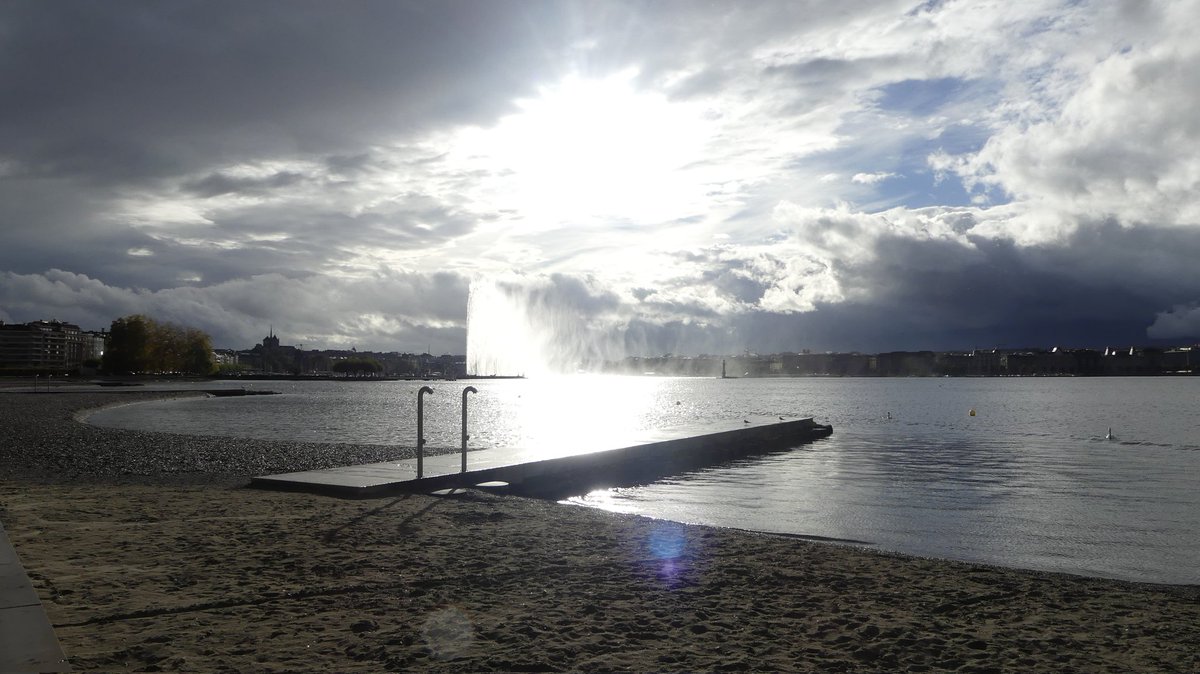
(533, 327)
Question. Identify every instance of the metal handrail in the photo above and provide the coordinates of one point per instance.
(465, 437)
(421, 428)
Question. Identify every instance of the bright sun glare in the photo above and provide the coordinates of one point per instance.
(591, 148)
(563, 415)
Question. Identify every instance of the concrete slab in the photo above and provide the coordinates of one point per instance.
(27, 640)
(575, 464)
(23, 646)
(15, 588)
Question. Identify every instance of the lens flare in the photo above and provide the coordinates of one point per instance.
(668, 547)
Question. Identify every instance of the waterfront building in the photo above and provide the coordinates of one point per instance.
(48, 346)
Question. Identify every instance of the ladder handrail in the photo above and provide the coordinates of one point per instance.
(465, 437)
(421, 428)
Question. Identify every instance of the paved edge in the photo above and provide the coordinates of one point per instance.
(27, 639)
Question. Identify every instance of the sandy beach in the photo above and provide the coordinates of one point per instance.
(149, 554)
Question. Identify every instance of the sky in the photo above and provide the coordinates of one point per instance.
(657, 177)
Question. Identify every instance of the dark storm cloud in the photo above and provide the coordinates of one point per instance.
(111, 101)
(315, 230)
(667, 308)
(348, 164)
(740, 287)
(1012, 296)
(40, 218)
(1176, 323)
(144, 90)
(1103, 287)
(147, 89)
(216, 184)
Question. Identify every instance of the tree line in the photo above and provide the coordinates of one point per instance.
(138, 343)
(359, 367)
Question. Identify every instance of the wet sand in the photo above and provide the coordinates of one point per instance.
(179, 569)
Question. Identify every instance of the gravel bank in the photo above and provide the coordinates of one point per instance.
(42, 439)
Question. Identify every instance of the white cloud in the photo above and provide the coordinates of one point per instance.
(389, 311)
(871, 178)
(1115, 141)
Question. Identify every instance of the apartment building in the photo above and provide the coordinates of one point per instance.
(48, 345)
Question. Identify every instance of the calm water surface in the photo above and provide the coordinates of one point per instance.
(1030, 481)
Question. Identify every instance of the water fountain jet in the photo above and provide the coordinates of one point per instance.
(539, 326)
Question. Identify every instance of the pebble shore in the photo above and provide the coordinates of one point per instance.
(42, 438)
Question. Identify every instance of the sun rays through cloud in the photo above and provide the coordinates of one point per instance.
(769, 176)
(584, 151)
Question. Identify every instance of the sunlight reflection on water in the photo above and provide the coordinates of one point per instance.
(1029, 481)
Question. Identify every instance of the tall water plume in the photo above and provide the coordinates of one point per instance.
(538, 326)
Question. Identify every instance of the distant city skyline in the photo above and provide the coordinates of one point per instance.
(274, 340)
(61, 347)
(626, 177)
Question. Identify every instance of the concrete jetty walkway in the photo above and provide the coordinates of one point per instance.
(574, 468)
(27, 640)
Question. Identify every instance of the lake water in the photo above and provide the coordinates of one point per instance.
(1029, 481)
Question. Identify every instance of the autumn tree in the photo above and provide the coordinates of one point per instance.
(197, 357)
(129, 345)
(141, 344)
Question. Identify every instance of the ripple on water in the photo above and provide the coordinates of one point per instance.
(1029, 481)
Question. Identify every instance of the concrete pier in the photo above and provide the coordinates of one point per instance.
(27, 640)
(562, 472)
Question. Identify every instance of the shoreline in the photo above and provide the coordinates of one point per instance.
(147, 563)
